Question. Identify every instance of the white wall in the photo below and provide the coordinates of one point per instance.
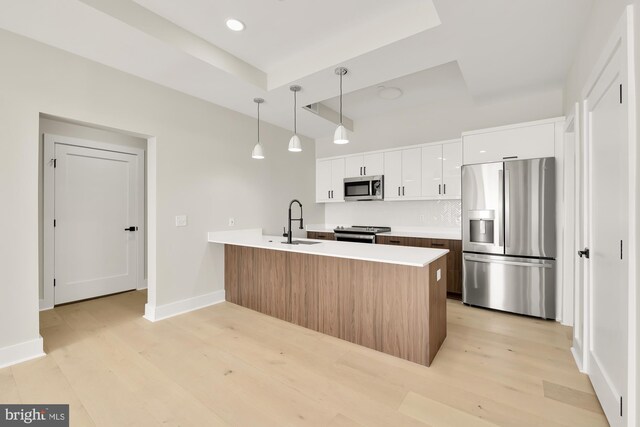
(204, 170)
(424, 213)
(604, 17)
(442, 121)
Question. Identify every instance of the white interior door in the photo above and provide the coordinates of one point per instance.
(607, 138)
(96, 200)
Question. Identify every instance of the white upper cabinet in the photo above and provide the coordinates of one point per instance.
(337, 180)
(402, 174)
(393, 175)
(411, 173)
(432, 171)
(452, 170)
(373, 164)
(330, 180)
(441, 171)
(524, 141)
(364, 165)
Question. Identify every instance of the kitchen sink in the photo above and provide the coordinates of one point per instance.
(302, 242)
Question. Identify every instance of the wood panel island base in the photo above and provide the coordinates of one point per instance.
(394, 308)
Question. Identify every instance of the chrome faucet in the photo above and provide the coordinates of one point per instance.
(300, 220)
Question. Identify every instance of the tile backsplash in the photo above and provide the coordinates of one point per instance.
(427, 213)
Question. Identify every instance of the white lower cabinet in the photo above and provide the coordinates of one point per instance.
(330, 180)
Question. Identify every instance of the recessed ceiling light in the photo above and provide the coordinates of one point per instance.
(235, 25)
(389, 93)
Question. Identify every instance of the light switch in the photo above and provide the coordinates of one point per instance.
(438, 275)
(181, 221)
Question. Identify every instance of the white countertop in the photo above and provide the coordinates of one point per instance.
(402, 255)
(423, 232)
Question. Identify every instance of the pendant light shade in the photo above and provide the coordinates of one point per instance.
(258, 152)
(294, 143)
(340, 135)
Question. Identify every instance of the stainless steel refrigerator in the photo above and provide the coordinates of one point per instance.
(509, 236)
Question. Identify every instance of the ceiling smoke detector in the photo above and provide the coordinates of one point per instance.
(389, 93)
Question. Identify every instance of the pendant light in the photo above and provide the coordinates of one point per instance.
(294, 143)
(340, 135)
(257, 152)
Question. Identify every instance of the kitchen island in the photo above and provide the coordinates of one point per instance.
(388, 298)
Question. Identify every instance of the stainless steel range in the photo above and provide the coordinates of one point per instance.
(359, 233)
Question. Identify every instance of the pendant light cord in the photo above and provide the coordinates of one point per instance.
(258, 123)
(295, 111)
(341, 73)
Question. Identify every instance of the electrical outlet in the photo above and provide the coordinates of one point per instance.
(232, 222)
(181, 221)
(438, 275)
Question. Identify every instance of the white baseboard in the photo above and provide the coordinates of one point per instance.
(165, 311)
(21, 352)
(578, 358)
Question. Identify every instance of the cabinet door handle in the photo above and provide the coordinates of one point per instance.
(444, 188)
(439, 245)
(398, 191)
(332, 194)
(394, 241)
(439, 188)
(365, 170)
(403, 190)
(360, 170)
(509, 157)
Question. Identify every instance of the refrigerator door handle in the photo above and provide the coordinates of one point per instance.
(500, 212)
(515, 263)
(507, 191)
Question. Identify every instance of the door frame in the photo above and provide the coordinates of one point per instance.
(622, 37)
(48, 300)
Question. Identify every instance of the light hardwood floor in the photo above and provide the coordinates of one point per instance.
(227, 365)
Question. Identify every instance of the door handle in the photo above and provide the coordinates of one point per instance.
(444, 188)
(403, 190)
(365, 170)
(360, 170)
(398, 191)
(132, 228)
(584, 252)
(513, 263)
(332, 194)
(439, 188)
(507, 208)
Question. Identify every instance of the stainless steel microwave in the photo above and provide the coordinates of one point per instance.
(364, 188)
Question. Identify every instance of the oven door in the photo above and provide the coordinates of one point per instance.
(357, 238)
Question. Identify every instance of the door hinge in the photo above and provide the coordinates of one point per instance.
(620, 93)
(55, 163)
